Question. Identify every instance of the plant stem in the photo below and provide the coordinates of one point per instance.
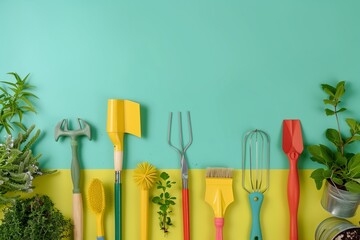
(339, 130)
(164, 222)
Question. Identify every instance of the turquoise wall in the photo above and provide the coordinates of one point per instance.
(236, 65)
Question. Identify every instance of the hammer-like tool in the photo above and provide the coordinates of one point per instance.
(61, 129)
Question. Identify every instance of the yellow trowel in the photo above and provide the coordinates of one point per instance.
(123, 117)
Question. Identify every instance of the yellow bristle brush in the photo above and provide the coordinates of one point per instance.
(219, 194)
(96, 200)
(145, 176)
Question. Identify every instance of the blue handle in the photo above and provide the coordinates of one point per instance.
(100, 238)
(256, 200)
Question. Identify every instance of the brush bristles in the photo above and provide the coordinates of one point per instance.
(96, 196)
(145, 175)
(219, 173)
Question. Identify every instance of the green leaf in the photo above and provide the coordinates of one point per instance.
(167, 195)
(353, 186)
(340, 159)
(314, 150)
(160, 187)
(164, 208)
(354, 166)
(330, 90)
(9, 83)
(331, 102)
(321, 154)
(333, 136)
(356, 138)
(329, 112)
(169, 202)
(156, 199)
(340, 89)
(341, 110)
(318, 176)
(164, 176)
(168, 221)
(318, 160)
(326, 154)
(338, 181)
(357, 180)
(327, 173)
(353, 125)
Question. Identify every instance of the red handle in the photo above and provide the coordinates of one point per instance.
(219, 224)
(186, 216)
(293, 195)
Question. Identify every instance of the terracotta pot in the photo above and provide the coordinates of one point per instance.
(339, 203)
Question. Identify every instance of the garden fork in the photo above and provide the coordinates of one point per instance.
(184, 171)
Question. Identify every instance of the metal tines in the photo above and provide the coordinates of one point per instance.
(256, 158)
(181, 149)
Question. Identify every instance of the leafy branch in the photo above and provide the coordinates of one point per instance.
(15, 102)
(165, 201)
(343, 168)
(34, 218)
(18, 165)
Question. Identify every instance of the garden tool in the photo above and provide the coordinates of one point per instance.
(256, 155)
(61, 129)
(292, 144)
(97, 202)
(184, 171)
(219, 195)
(145, 176)
(123, 117)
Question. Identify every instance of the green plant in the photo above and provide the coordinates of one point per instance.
(18, 164)
(165, 201)
(342, 167)
(34, 218)
(15, 102)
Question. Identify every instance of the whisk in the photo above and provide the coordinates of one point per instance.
(256, 157)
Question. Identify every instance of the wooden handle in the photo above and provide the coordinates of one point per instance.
(78, 216)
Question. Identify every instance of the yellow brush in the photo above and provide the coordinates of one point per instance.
(145, 176)
(96, 200)
(219, 194)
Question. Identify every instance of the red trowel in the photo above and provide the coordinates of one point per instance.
(292, 144)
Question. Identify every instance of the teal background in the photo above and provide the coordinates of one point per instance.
(235, 64)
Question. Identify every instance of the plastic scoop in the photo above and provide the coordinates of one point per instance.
(292, 145)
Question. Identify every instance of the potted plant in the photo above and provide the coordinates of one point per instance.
(34, 218)
(341, 167)
(18, 164)
(337, 229)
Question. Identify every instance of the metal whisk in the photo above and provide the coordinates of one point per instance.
(256, 157)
